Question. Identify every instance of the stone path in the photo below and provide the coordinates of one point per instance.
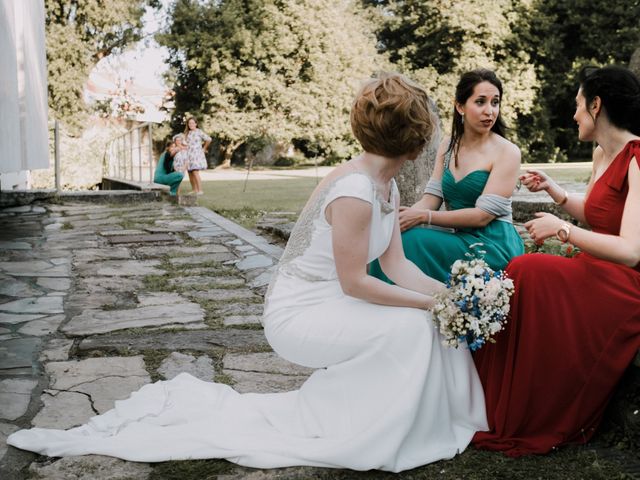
(98, 300)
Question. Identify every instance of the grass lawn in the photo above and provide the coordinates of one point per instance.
(289, 194)
(245, 208)
(564, 172)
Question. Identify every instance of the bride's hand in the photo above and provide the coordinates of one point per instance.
(535, 180)
(410, 217)
(545, 225)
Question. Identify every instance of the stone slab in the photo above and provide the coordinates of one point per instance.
(162, 250)
(15, 318)
(6, 429)
(150, 238)
(109, 284)
(18, 353)
(92, 386)
(73, 375)
(81, 300)
(93, 467)
(91, 322)
(9, 336)
(237, 230)
(99, 254)
(261, 280)
(115, 233)
(245, 248)
(265, 362)
(63, 410)
(8, 245)
(60, 284)
(56, 349)
(223, 294)
(13, 287)
(206, 282)
(46, 304)
(195, 341)
(240, 309)
(15, 395)
(203, 258)
(242, 320)
(44, 326)
(289, 473)
(35, 268)
(176, 363)
(209, 232)
(254, 261)
(251, 382)
(122, 268)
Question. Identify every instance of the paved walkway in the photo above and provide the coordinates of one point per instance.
(98, 300)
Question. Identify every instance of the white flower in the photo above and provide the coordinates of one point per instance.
(475, 305)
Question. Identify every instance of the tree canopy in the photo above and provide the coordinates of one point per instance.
(535, 46)
(285, 71)
(282, 70)
(78, 34)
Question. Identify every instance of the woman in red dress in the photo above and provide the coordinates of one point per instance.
(575, 322)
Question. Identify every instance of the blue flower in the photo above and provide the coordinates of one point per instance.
(476, 344)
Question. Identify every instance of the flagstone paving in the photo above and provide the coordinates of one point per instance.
(97, 300)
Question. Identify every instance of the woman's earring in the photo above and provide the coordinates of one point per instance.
(462, 117)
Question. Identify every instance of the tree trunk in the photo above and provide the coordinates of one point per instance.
(634, 63)
(228, 152)
(413, 176)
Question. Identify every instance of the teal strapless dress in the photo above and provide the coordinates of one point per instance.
(434, 251)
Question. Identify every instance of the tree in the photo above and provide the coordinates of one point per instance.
(78, 34)
(435, 41)
(535, 46)
(282, 70)
(561, 36)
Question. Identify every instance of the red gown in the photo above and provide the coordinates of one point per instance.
(574, 329)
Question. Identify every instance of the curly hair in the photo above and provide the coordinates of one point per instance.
(391, 116)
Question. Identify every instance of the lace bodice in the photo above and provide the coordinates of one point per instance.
(309, 254)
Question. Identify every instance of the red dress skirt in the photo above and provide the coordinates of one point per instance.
(574, 329)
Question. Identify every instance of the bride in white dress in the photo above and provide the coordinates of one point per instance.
(387, 395)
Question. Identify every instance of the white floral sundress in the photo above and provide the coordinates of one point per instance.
(195, 154)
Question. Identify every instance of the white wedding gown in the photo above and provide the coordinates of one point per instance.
(387, 395)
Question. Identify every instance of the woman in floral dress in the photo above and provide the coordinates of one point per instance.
(198, 143)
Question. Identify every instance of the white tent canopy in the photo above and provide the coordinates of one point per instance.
(23, 87)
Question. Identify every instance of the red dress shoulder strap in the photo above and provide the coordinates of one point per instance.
(620, 168)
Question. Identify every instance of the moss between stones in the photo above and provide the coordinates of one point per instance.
(567, 464)
(191, 470)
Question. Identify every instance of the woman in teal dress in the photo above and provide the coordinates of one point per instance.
(165, 173)
(475, 174)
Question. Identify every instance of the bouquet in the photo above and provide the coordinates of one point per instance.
(475, 305)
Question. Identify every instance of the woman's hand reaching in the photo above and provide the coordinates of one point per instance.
(410, 217)
(545, 225)
(536, 180)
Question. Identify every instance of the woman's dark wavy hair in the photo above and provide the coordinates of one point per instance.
(619, 92)
(464, 90)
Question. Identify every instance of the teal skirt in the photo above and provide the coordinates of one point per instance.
(434, 251)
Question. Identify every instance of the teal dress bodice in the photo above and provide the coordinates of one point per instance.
(164, 177)
(434, 251)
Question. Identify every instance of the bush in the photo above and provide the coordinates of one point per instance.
(288, 161)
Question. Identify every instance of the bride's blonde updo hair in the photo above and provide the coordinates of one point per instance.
(390, 116)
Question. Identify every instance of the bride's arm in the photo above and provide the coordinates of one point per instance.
(404, 272)
(350, 219)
